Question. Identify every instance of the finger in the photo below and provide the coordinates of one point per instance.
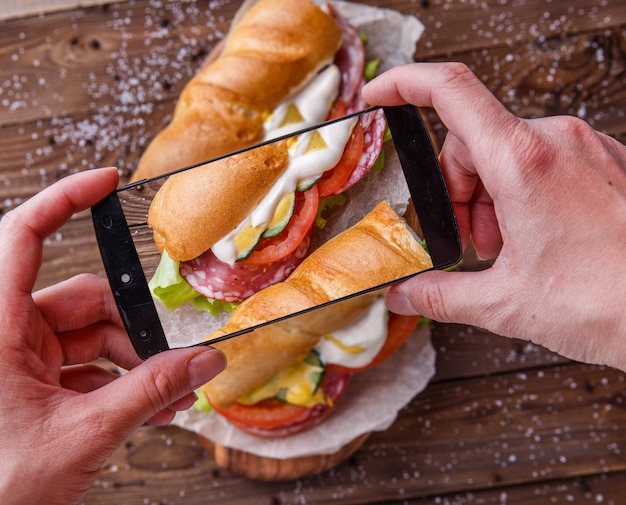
(82, 311)
(85, 378)
(458, 168)
(24, 229)
(463, 103)
(77, 302)
(485, 230)
(443, 296)
(473, 205)
(166, 416)
(461, 183)
(162, 418)
(184, 403)
(99, 340)
(156, 384)
(89, 377)
(612, 145)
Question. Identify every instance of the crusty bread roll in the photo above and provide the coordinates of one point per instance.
(195, 208)
(378, 249)
(273, 49)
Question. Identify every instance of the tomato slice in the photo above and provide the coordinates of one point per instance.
(267, 414)
(273, 418)
(234, 283)
(399, 328)
(332, 180)
(275, 248)
(339, 109)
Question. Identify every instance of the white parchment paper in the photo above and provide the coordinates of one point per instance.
(391, 35)
(375, 397)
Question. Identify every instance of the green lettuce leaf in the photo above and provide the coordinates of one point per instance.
(370, 69)
(212, 306)
(168, 286)
(326, 204)
(202, 403)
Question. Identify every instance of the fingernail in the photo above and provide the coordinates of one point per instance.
(400, 304)
(204, 366)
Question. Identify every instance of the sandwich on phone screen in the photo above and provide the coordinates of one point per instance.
(163, 241)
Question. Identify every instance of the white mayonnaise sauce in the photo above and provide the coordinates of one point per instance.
(313, 103)
(357, 344)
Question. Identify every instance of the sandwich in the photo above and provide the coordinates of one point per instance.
(284, 66)
(288, 376)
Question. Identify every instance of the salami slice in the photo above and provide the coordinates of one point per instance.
(350, 59)
(234, 283)
(368, 118)
(374, 138)
(358, 104)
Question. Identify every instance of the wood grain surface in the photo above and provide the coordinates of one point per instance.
(23, 8)
(503, 421)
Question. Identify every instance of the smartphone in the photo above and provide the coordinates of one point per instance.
(410, 180)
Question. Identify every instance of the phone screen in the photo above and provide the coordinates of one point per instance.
(173, 292)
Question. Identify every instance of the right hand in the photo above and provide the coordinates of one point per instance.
(545, 197)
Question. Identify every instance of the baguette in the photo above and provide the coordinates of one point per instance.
(195, 208)
(274, 48)
(378, 249)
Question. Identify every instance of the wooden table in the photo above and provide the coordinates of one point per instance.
(503, 421)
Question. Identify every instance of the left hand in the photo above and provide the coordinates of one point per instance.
(61, 417)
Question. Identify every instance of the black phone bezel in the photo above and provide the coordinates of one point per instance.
(425, 182)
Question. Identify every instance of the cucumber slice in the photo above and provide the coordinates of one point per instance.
(281, 394)
(248, 238)
(282, 215)
(305, 184)
(318, 370)
(311, 370)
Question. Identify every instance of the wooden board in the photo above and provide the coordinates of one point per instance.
(253, 467)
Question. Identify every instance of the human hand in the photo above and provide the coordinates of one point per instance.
(545, 197)
(61, 417)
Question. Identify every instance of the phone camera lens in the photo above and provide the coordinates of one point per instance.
(144, 334)
(125, 278)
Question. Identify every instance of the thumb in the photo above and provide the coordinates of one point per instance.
(159, 382)
(447, 297)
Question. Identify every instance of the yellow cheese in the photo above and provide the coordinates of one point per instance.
(295, 385)
(316, 142)
(292, 115)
